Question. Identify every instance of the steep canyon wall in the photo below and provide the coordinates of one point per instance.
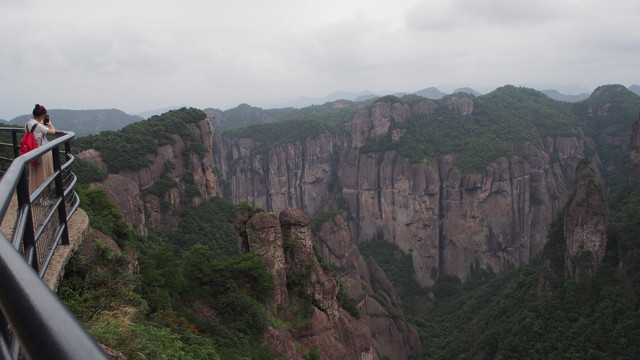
(445, 219)
(153, 211)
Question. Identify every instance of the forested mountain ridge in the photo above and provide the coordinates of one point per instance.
(245, 115)
(607, 117)
(152, 168)
(453, 182)
(85, 122)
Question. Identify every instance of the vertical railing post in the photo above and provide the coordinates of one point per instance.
(62, 209)
(16, 144)
(29, 239)
(4, 332)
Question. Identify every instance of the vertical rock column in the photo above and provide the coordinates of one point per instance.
(634, 153)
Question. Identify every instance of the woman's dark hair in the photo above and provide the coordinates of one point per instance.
(39, 110)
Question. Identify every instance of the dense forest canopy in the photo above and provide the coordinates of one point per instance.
(506, 116)
(290, 131)
(245, 115)
(130, 148)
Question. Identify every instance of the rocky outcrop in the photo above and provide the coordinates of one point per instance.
(614, 108)
(461, 105)
(285, 245)
(368, 284)
(599, 109)
(586, 227)
(578, 237)
(300, 175)
(445, 219)
(375, 121)
(141, 212)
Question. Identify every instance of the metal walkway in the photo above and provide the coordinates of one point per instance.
(34, 324)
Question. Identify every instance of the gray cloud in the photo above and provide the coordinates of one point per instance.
(469, 15)
(135, 55)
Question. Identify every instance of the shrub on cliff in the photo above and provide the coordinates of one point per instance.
(202, 302)
(97, 288)
(103, 214)
(87, 172)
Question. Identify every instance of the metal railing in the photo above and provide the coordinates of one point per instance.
(33, 321)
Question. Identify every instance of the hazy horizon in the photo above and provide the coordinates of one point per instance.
(133, 56)
(304, 101)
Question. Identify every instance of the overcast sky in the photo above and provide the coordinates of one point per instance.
(137, 55)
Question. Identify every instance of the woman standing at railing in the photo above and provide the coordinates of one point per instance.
(44, 168)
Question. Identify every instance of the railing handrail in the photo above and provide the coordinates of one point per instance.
(33, 314)
(10, 179)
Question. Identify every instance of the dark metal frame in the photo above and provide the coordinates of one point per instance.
(34, 323)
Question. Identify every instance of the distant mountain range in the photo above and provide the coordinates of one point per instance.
(149, 113)
(86, 122)
(556, 95)
(429, 93)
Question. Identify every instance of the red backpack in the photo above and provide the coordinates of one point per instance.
(29, 143)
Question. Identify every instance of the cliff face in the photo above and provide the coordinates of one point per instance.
(586, 227)
(368, 284)
(634, 153)
(447, 220)
(303, 290)
(142, 212)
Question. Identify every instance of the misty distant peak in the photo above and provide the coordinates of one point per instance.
(467, 90)
(149, 113)
(556, 95)
(431, 93)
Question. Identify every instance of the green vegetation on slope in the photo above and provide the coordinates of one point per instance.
(398, 267)
(446, 133)
(133, 147)
(507, 115)
(87, 172)
(165, 310)
(503, 117)
(508, 317)
(194, 296)
(289, 131)
(607, 116)
(517, 114)
(245, 115)
(103, 215)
